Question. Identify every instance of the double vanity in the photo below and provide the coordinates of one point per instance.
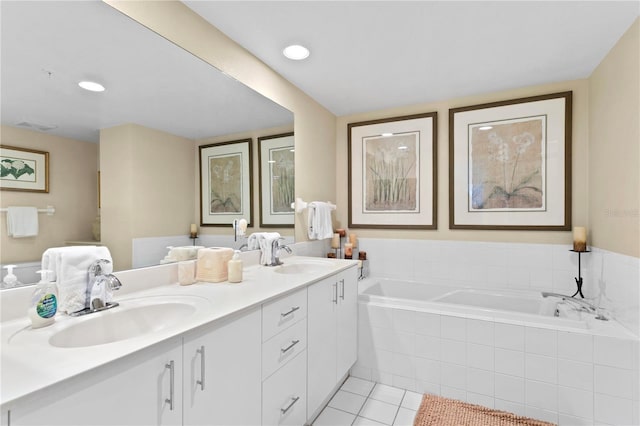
(270, 350)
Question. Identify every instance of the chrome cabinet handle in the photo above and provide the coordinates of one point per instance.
(335, 293)
(342, 293)
(290, 312)
(202, 363)
(169, 400)
(288, 407)
(293, 343)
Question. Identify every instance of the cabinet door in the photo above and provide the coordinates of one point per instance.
(321, 343)
(347, 321)
(120, 394)
(227, 390)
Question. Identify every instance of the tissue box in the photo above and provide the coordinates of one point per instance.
(212, 264)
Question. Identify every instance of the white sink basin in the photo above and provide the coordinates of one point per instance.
(306, 267)
(133, 318)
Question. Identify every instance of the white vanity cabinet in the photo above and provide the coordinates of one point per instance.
(222, 372)
(332, 334)
(144, 389)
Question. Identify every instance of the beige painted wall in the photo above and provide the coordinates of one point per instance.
(314, 125)
(145, 177)
(254, 135)
(579, 165)
(73, 177)
(614, 164)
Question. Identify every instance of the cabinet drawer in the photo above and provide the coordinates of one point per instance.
(283, 347)
(284, 399)
(282, 313)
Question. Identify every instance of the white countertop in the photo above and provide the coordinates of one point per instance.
(30, 364)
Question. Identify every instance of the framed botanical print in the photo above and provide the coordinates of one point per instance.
(225, 183)
(277, 180)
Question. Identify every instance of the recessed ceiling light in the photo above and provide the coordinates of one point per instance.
(403, 147)
(91, 86)
(485, 128)
(386, 135)
(296, 52)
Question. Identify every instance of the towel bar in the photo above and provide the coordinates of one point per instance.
(300, 205)
(50, 210)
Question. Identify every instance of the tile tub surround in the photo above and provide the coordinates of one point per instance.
(611, 280)
(558, 376)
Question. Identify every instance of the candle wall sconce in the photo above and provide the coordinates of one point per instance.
(193, 233)
(579, 278)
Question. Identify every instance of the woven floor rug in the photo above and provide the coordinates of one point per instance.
(438, 411)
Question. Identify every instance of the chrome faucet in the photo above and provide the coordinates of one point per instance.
(579, 303)
(100, 286)
(275, 251)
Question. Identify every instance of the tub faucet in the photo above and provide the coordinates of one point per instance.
(275, 251)
(580, 303)
(100, 286)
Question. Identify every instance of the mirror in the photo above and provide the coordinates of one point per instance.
(151, 84)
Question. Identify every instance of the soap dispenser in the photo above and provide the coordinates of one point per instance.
(235, 268)
(10, 280)
(44, 301)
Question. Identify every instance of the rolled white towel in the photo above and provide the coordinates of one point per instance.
(71, 268)
(264, 242)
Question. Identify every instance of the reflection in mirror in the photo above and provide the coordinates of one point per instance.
(277, 193)
(157, 97)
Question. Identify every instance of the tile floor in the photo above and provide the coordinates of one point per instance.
(361, 402)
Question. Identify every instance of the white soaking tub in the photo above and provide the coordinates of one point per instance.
(501, 348)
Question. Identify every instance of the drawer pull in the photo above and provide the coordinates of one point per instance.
(290, 312)
(342, 293)
(335, 293)
(288, 407)
(293, 343)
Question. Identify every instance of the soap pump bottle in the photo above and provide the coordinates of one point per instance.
(44, 301)
(234, 268)
(10, 280)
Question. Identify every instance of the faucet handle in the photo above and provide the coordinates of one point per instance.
(98, 267)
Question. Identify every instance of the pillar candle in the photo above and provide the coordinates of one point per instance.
(580, 238)
(335, 241)
(193, 230)
(348, 250)
(353, 240)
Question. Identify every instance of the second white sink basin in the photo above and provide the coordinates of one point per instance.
(306, 267)
(131, 319)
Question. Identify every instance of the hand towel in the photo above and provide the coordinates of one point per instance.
(319, 221)
(70, 266)
(264, 242)
(22, 222)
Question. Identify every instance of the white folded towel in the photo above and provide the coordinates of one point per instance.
(70, 266)
(22, 222)
(264, 242)
(319, 222)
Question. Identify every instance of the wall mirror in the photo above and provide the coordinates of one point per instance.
(48, 47)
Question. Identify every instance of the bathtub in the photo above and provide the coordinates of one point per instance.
(501, 348)
(504, 305)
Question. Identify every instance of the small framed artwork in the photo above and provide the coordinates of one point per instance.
(510, 164)
(392, 172)
(225, 183)
(23, 169)
(277, 190)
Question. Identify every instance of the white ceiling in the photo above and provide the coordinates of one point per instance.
(149, 81)
(371, 55)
